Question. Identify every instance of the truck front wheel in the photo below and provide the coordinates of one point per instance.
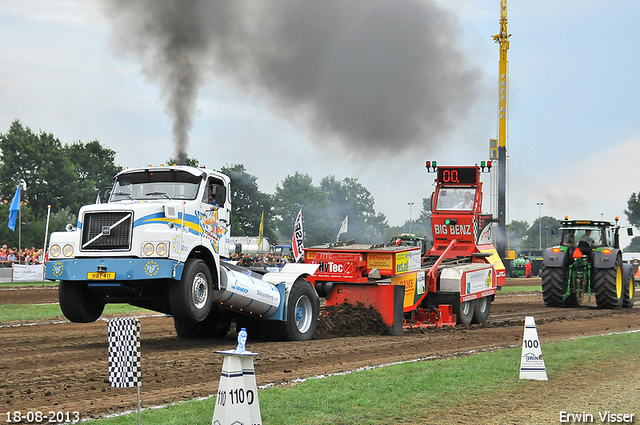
(191, 298)
(77, 303)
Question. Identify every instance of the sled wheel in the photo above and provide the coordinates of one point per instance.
(187, 329)
(464, 312)
(481, 310)
(77, 303)
(608, 285)
(191, 297)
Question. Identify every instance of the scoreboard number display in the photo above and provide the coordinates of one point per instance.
(458, 175)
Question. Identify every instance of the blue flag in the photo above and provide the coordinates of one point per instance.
(13, 210)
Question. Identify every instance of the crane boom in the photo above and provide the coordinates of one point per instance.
(503, 39)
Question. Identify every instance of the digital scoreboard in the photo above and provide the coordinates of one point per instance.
(458, 175)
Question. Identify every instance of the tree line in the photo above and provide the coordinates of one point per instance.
(67, 176)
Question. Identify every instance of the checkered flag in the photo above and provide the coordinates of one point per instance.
(124, 352)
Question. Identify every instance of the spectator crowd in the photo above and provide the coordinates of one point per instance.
(261, 260)
(11, 256)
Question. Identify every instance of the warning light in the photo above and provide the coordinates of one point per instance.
(431, 166)
(555, 250)
(577, 253)
(450, 221)
(606, 250)
(485, 166)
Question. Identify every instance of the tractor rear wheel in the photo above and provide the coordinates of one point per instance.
(554, 286)
(608, 285)
(629, 290)
(481, 310)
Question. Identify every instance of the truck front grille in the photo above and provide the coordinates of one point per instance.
(107, 231)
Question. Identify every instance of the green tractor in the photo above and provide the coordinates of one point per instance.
(587, 261)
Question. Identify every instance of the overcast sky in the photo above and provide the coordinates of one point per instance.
(331, 89)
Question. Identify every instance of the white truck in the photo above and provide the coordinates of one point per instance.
(160, 242)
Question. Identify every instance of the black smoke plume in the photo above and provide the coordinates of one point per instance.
(374, 75)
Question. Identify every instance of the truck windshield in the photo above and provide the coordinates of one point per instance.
(147, 185)
(456, 198)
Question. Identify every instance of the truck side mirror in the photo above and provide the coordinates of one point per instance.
(630, 231)
(221, 195)
(238, 248)
(104, 194)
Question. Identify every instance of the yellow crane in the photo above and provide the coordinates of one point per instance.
(499, 152)
(503, 40)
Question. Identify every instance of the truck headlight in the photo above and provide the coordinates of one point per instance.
(55, 250)
(67, 251)
(161, 249)
(147, 249)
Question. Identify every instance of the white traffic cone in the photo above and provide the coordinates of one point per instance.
(531, 364)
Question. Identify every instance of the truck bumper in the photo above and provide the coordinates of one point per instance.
(124, 269)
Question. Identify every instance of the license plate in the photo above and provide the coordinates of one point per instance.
(101, 275)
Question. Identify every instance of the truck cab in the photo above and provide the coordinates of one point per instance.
(126, 249)
(160, 242)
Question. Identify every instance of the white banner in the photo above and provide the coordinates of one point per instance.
(297, 243)
(344, 228)
(28, 273)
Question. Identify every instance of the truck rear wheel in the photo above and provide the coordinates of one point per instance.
(77, 303)
(303, 308)
(481, 310)
(608, 285)
(191, 298)
(554, 286)
(464, 311)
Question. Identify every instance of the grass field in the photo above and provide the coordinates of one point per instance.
(421, 392)
(10, 312)
(23, 284)
(510, 289)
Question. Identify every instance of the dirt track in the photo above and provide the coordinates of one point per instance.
(59, 366)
